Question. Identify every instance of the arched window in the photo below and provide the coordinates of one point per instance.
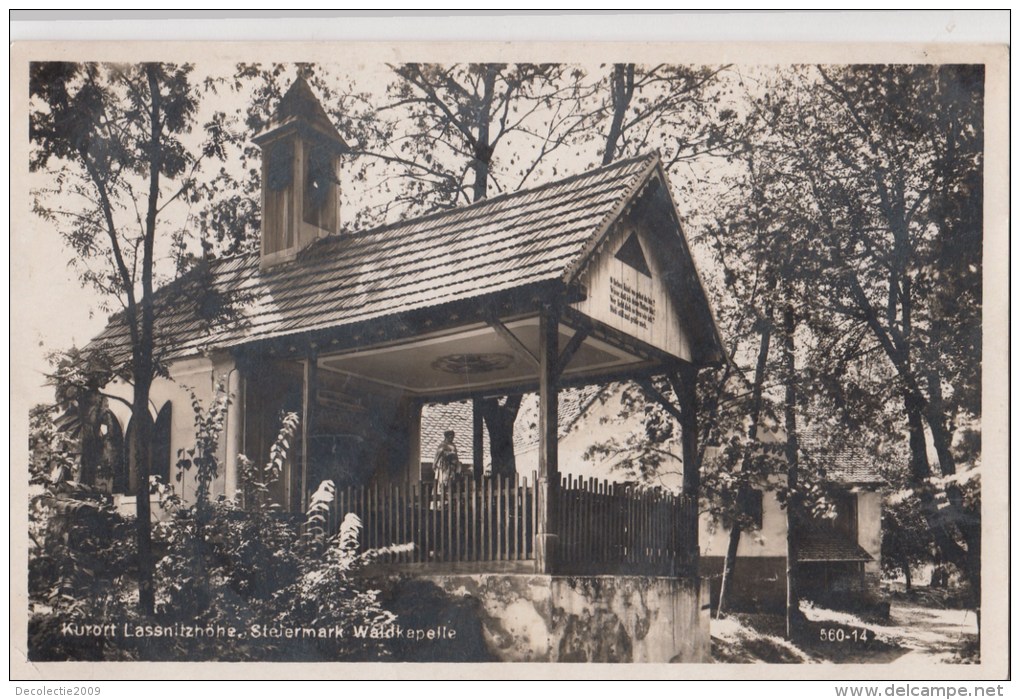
(161, 444)
(127, 480)
(111, 458)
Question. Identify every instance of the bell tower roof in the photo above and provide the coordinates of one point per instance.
(300, 110)
(301, 153)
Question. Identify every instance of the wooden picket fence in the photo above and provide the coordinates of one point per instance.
(465, 521)
(602, 527)
(620, 528)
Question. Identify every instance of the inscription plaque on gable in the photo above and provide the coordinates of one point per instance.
(630, 304)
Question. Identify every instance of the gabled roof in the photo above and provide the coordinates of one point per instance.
(512, 242)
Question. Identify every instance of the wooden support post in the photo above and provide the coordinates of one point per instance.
(414, 440)
(477, 443)
(546, 536)
(687, 396)
(234, 431)
(686, 386)
(309, 389)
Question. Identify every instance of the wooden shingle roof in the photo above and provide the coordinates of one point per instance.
(854, 468)
(505, 243)
(822, 544)
(843, 461)
(436, 419)
(300, 109)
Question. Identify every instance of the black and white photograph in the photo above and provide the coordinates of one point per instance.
(510, 354)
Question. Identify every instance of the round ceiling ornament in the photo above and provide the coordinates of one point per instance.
(473, 363)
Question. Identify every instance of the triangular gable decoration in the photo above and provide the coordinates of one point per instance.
(631, 253)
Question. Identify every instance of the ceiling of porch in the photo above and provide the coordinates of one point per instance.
(476, 358)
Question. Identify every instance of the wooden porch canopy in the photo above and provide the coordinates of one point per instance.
(580, 281)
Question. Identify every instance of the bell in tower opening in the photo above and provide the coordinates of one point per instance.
(301, 151)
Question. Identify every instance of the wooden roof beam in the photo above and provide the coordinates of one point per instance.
(567, 354)
(512, 340)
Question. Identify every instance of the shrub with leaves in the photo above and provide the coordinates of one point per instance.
(51, 452)
(221, 562)
(203, 456)
(241, 564)
(81, 560)
(329, 592)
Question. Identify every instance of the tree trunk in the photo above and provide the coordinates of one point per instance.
(483, 149)
(499, 419)
(920, 410)
(752, 434)
(728, 565)
(932, 412)
(940, 430)
(143, 364)
(140, 449)
(967, 522)
(621, 87)
(793, 504)
(941, 519)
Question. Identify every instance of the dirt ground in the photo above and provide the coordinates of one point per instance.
(937, 635)
(913, 632)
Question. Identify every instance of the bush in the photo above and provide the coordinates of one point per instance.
(220, 566)
(81, 562)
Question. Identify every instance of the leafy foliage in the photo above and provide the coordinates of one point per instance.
(221, 566)
(203, 456)
(885, 162)
(50, 450)
(81, 565)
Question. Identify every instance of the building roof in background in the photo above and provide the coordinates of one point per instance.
(436, 419)
(572, 406)
(822, 544)
(457, 416)
(843, 461)
(853, 468)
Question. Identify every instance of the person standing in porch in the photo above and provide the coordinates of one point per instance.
(446, 463)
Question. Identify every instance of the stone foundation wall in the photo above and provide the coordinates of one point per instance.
(535, 618)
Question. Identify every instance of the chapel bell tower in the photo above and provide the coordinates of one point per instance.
(301, 151)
